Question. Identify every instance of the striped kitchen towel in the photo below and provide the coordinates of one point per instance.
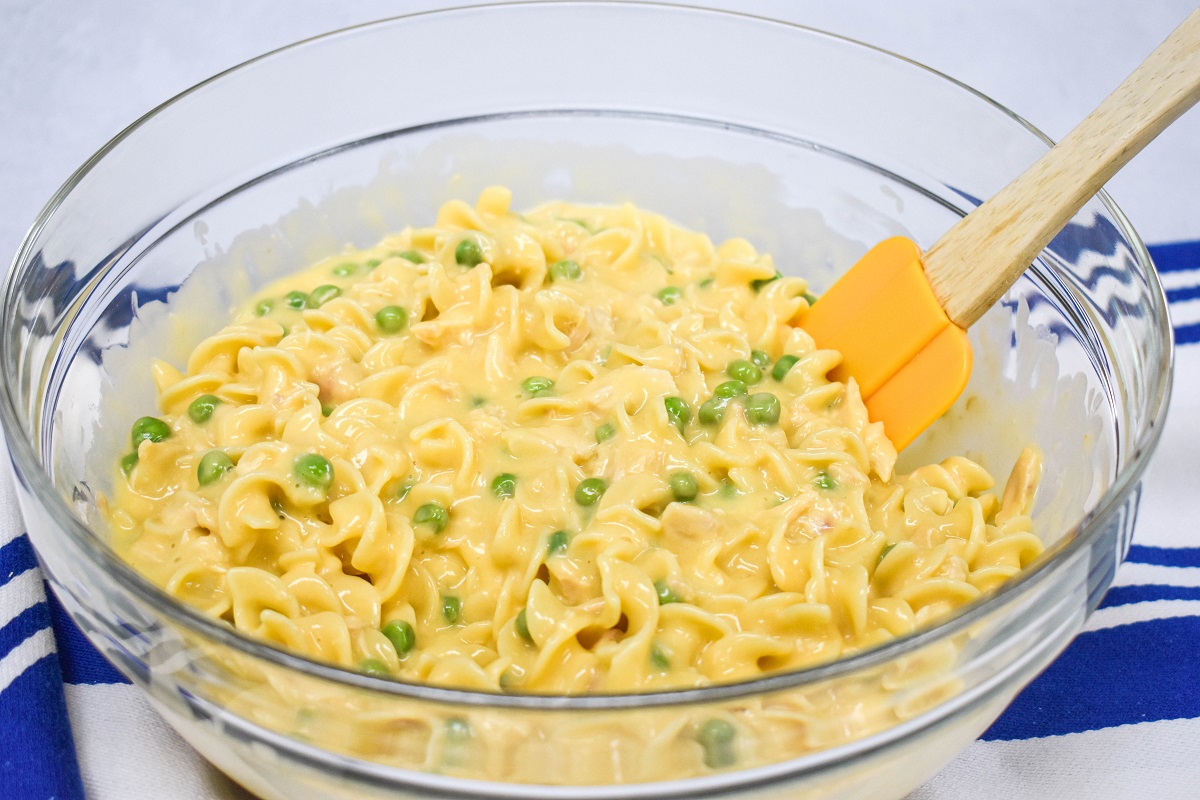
(1116, 716)
(37, 754)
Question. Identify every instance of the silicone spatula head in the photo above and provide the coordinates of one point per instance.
(910, 361)
(899, 317)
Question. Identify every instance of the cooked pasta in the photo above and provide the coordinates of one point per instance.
(579, 449)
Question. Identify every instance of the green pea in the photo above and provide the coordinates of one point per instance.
(451, 608)
(783, 366)
(373, 666)
(761, 282)
(537, 386)
(565, 270)
(762, 409)
(213, 467)
(728, 487)
(372, 263)
(432, 514)
(825, 481)
(589, 491)
(322, 295)
(458, 730)
(684, 486)
(413, 256)
(402, 636)
(558, 542)
(128, 462)
(659, 658)
(883, 553)
(263, 308)
(716, 737)
(327, 409)
(456, 753)
(666, 594)
(478, 401)
(811, 299)
(405, 488)
(504, 485)
(729, 390)
(678, 411)
(315, 470)
(149, 429)
(201, 409)
(342, 270)
(605, 432)
(712, 411)
(744, 371)
(296, 300)
(670, 295)
(468, 253)
(707, 282)
(391, 319)
(522, 626)
(760, 358)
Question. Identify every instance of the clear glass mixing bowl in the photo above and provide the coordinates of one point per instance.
(811, 146)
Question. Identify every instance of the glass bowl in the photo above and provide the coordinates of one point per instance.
(811, 146)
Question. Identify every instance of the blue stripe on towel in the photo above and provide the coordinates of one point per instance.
(1124, 595)
(1179, 257)
(81, 663)
(1165, 556)
(1176, 256)
(1188, 334)
(21, 627)
(38, 761)
(16, 558)
(1116, 676)
(1183, 294)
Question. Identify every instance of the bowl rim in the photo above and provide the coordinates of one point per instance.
(36, 479)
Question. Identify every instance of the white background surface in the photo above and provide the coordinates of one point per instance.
(74, 73)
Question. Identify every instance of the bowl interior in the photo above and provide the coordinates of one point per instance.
(815, 209)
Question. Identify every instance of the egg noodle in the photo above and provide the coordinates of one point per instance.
(579, 449)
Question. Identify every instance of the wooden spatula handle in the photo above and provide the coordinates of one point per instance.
(978, 259)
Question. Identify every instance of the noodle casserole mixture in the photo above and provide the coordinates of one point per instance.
(575, 450)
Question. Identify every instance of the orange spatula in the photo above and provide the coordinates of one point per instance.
(899, 317)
